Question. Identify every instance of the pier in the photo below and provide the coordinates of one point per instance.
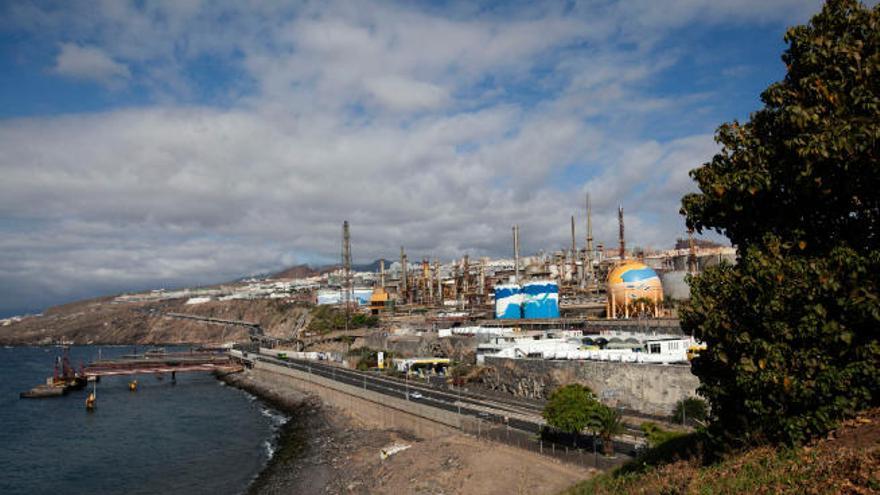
(159, 364)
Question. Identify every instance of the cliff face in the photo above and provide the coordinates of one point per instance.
(650, 389)
(105, 321)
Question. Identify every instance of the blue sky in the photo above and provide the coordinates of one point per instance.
(151, 144)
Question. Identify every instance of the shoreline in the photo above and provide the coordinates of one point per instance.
(292, 438)
(322, 449)
(313, 448)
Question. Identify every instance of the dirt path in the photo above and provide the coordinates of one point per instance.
(461, 464)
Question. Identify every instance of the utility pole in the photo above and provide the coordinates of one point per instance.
(622, 239)
(346, 272)
(516, 252)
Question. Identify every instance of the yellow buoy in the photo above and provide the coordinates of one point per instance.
(133, 385)
(90, 401)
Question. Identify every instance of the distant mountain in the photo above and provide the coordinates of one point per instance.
(298, 271)
(370, 267)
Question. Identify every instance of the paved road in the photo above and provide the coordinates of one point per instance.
(524, 417)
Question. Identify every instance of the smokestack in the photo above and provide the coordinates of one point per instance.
(382, 273)
(404, 282)
(346, 271)
(429, 280)
(692, 253)
(588, 272)
(622, 238)
(516, 253)
(439, 282)
(573, 253)
(483, 280)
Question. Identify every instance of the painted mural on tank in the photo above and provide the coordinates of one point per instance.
(540, 299)
(508, 302)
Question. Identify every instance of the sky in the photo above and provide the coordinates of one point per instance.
(150, 144)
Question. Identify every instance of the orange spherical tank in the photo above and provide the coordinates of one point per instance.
(629, 281)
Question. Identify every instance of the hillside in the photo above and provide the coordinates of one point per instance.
(104, 321)
(295, 272)
(846, 461)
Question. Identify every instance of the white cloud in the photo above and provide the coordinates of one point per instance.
(429, 129)
(400, 93)
(90, 63)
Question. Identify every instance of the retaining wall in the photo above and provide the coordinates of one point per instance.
(649, 389)
(368, 407)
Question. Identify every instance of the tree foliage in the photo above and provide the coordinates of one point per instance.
(574, 408)
(571, 408)
(327, 318)
(792, 328)
(804, 168)
(609, 423)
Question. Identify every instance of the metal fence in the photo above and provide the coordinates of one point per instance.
(558, 446)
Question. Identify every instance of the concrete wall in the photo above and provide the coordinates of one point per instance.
(459, 347)
(645, 388)
(370, 408)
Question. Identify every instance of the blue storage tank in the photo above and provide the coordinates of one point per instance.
(508, 302)
(540, 299)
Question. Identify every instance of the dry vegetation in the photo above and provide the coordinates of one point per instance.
(846, 461)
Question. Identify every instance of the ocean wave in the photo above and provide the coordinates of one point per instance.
(270, 449)
(276, 418)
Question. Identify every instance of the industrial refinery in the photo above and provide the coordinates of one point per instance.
(586, 281)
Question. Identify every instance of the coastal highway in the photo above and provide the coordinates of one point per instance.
(524, 417)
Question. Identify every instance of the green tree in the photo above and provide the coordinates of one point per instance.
(571, 408)
(792, 328)
(609, 423)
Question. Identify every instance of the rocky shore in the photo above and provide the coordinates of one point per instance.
(322, 450)
(314, 448)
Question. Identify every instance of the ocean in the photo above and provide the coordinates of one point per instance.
(190, 437)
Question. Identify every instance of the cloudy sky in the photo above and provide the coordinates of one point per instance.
(160, 143)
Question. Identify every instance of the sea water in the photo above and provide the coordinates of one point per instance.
(193, 435)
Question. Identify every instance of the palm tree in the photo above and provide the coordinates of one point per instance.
(610, 423)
